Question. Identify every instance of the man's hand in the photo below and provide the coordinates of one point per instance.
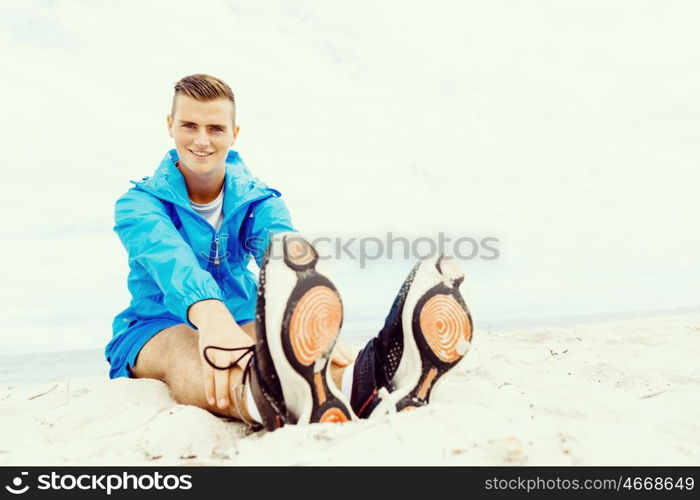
(217, 329)
(342, 354)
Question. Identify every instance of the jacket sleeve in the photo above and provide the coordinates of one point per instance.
(265, 219)
(152, 241)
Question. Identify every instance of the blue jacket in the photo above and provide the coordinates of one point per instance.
(176, 258)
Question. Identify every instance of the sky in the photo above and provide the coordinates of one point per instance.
(565, 129)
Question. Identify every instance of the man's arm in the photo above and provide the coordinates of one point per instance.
(190, 292)
(152, 241)
(219, 332)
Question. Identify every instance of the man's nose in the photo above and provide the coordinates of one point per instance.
(202, 139)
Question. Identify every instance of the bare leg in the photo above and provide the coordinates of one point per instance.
(173, 356)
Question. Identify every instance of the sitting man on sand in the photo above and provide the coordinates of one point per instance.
(262, 352)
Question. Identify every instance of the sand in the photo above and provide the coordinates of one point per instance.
(614, 393)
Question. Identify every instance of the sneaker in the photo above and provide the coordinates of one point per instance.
(427, 332)
(298, 319)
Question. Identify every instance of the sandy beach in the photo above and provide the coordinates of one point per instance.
(564, 135)
(612, 393)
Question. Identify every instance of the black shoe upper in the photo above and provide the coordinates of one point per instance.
(265, 384)
(377, 363)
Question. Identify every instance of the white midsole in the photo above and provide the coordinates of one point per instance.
(410, 367)
(280, 281)
(409, 370)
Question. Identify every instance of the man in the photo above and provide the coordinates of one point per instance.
(266, 354)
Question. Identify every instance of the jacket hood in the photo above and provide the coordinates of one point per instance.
(168, 183)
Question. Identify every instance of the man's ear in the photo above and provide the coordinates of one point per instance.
(169, 122)
(236, 129)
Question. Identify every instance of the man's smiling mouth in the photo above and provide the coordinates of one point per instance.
(201, 154)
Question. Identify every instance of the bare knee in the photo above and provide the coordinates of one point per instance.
(172, 356)
(158, 354)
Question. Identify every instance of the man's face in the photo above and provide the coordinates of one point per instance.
(203, 133)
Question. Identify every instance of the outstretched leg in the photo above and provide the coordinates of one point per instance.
(172, 356)
(427, 332)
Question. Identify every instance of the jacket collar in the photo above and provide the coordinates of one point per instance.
(168, 183)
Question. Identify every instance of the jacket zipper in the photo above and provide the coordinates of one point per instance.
(217, 261)
(216, 256)
(223, 223)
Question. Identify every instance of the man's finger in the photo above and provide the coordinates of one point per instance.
(243, 362)
(208, 376)
(337, 358)
(233, 385)
(348, 352)
(221, 382)
(342, 354)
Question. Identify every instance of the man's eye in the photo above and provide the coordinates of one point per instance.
(188, 125)
(218, 129)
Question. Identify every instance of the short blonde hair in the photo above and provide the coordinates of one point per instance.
(205, 88)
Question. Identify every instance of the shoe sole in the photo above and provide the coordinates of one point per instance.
(437, 329)
(303, 316)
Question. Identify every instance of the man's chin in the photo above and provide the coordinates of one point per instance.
(200, 169)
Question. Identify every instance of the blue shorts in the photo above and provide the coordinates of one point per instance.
(123, 349)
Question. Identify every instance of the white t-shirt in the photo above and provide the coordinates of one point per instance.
(212, 211)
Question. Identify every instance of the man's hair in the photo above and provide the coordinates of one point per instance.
(204, 88)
